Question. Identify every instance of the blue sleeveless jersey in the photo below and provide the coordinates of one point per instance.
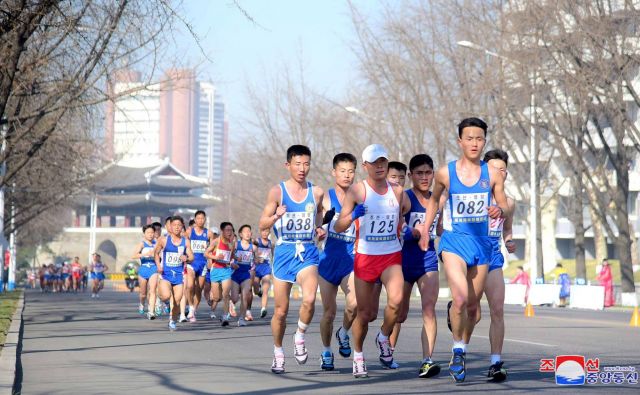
(298, 223)
(466, 208)
(338, 242)
(172, 266)
(264, 251)
(199, 244)
(148, 260)
(415, 216)
(244, 257)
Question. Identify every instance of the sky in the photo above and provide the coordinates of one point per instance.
(285, 31)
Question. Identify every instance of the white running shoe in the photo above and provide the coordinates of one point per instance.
(213, 316)
(242, 322)
(182, 318)
(359, 368)
(300, 351)
(277, 366)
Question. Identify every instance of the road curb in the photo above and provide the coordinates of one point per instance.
(9, 354)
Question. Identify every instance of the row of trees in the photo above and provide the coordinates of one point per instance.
(580, 60)
(55, 69)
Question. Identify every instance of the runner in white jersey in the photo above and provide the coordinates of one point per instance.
(465, 247)
(374, 205)
(292, 207)
(336, 263)
(499, 228)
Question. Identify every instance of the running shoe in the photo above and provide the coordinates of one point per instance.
(497, 373)
(300, 351)
(259, 293)
(242, 322)
(232, 309)
(141, 309)
(158, 310)
(213, 316)
(150, 316)
(167, 308)
(344, 348)
(182, 318)
(263, 312)
(248, 316)
(449, 316)
(192, 318)
(429, 369)
(97, 296)
(456, 366)
(359, 368)
(225, 319)
(277, 366)
(326, 360)
(386, 352)
(172, 325)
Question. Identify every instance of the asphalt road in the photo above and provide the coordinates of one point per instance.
(75, 344)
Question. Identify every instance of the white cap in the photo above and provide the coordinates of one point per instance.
(373, 152)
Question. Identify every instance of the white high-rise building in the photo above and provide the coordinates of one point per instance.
(212, 134)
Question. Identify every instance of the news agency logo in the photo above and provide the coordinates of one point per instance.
(577, 370)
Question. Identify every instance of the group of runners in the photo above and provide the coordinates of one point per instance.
(72, 276)
(359, 237)
(191, 262)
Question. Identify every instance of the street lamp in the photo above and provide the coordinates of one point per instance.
(533, 200)
(358, 112)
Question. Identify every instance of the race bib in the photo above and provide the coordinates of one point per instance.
(348, 235)
(380, 227)
(264, 253)
(198, 246)
(172, 259)
(297, 226)
(244, 257)
(223, 256)
(419, 218)
(469, 207)
(495, 226)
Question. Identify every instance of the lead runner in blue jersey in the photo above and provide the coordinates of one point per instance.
(294, 211)
(148, 272)
(420, 267)
(199, 238)
(465, 246)
(336, 263)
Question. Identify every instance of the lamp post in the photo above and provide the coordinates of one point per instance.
(358, 112)
(533, 198)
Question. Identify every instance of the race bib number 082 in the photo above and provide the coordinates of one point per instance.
(469, 207)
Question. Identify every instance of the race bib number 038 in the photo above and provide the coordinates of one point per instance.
(298, 226)
(469, 207)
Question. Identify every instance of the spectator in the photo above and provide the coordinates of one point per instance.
(522, 278)
(606, 280)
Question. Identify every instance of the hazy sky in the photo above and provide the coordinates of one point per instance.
(318, 32)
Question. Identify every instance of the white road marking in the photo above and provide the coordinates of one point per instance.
(520, 341)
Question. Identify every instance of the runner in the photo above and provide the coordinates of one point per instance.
(374, 205)
(336, 263)
(262, 279)
(207, 278)
(76, 273)
(494, 288)
(397, 173)
(420, 267)
(221, 266)
(465, 246)
(148, 273)
(241, 287)
(66, 276)
(97, 269)
(200, 238)
(176, 252)
(157, 230)
(292, 208)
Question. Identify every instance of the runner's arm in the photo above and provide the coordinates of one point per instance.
(507, 227)
(502, 206)
(157, 251)
(350, 200)
(439, 185)
(320, 232)
(137, 253)
(272, 210)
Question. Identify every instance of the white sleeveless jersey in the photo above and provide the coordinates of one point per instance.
(377, 230)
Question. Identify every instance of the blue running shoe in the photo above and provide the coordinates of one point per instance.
(344, 348)
(141, 310)
(172, 326)
(456, 366)
(167, 308)
(326, 360)
(158, 310)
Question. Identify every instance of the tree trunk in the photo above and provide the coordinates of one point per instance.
(623, 240)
